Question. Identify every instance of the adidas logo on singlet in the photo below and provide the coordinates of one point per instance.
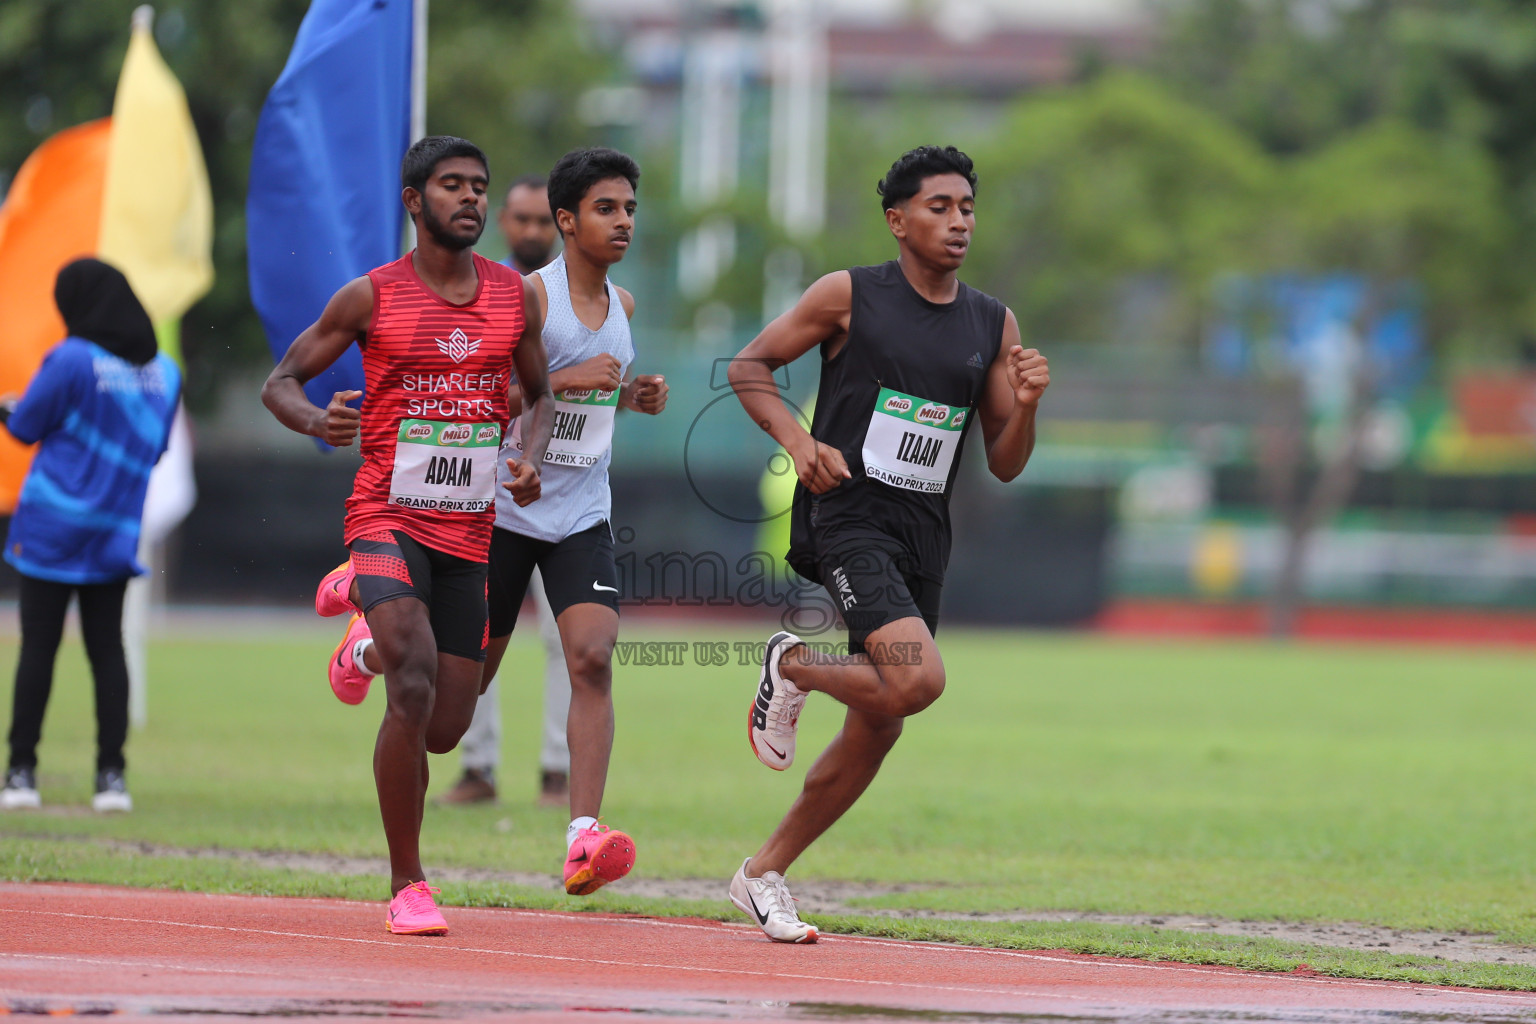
(458, 347)
(973, 362)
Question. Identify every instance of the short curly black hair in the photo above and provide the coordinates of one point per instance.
(425, 154)
(575, 173)
(906, 175)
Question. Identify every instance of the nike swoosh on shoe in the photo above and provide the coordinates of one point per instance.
(762, 918)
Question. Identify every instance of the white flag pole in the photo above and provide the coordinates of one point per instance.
(418, 90)
(140, 593)
(418, 70)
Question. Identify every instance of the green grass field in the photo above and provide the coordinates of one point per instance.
(1242, 780)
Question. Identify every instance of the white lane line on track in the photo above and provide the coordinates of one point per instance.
(1416, 988)
(438, 947)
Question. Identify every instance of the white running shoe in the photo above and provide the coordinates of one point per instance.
(111, 793)
(20, 792)
(767, 901)
(775, 711)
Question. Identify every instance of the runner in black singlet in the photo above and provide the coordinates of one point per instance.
(910, 356)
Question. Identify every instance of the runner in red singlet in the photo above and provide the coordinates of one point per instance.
(441, 332)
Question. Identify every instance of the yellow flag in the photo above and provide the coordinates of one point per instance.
(157, 212)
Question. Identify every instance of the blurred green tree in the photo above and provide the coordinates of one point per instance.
(1300, 75)
(1088, 188)
(1488, 48)
(1295, 74)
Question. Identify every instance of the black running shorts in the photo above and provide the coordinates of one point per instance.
(391, 565)
(577, 570)
(874, 580)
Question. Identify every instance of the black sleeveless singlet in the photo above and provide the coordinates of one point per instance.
(924, 364)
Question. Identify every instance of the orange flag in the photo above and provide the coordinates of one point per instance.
(51, 216)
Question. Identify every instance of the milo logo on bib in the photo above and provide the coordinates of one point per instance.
(445, 467)
(911, 441)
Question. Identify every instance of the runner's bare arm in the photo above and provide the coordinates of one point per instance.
(647, 392)
(538, 405)
(344, 320)
(820, 316)
(1017, 379)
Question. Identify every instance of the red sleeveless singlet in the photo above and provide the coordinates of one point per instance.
(435, 408)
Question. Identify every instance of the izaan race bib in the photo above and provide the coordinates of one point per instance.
(911, 441)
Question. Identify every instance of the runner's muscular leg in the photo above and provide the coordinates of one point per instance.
(407, 650)
(588, 633)
(453, 707)
(837, 779)
(495, 650)
(902, 674)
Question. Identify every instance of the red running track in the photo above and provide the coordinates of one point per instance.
(138, 954)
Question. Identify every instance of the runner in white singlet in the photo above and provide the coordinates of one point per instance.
(586, 333)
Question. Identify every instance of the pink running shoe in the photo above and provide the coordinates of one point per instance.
(597, 857)
(412, 912)
(332, 597)
(349, 682)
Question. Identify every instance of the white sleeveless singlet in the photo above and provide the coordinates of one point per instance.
(574, 493)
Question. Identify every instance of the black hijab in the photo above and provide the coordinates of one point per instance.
(98, 305)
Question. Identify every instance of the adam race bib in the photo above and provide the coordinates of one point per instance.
(911, 441)
(445, 467)
(583, 427)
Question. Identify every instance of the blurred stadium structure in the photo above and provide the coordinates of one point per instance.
(1202, 353)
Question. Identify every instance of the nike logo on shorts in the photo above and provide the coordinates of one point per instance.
(599, 586)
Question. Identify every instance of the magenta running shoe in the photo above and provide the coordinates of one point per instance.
(413, 912)
(350, 680)
(598, 856)
(332, 597)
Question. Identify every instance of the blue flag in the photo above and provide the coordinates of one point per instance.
(324, 199)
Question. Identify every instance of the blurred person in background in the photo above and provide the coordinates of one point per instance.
(100, 410)
(529, 227)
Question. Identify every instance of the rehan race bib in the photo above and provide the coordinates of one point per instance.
(583, 427)
(445, 467)
(911, 441)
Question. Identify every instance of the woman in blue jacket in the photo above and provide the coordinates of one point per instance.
(100, 411)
